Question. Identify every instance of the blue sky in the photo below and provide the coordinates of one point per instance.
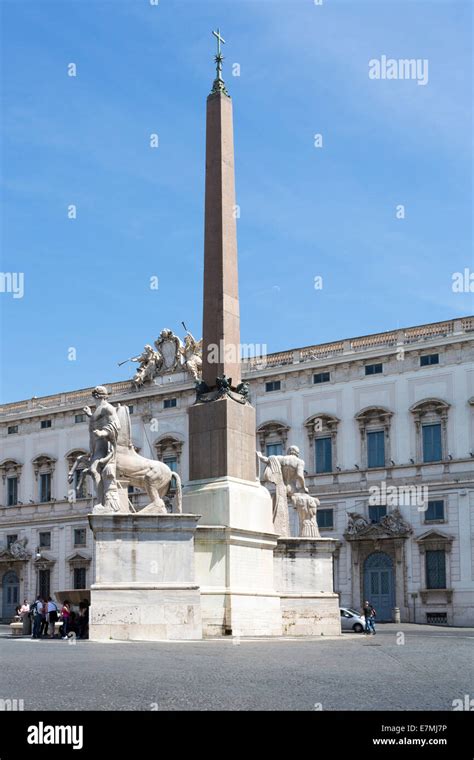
(305, 211)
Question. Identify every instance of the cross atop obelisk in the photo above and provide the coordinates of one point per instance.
(219, 85)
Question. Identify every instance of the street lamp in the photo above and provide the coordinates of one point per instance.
(38, 557)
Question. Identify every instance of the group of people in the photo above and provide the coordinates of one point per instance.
(44, 614)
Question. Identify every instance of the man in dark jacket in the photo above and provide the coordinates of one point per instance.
(369, 615)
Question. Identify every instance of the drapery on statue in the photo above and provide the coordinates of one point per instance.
(112, 456)
(286, 472)
(192, 355)
(307, 507)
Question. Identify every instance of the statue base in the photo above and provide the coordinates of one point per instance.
(304, 580)
(234, 557)
(145, 587)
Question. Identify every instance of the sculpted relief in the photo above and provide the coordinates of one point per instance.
(169, 355)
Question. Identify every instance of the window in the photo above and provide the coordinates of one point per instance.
(322, 377)
(431, 424)
(45, 487)
(45, 424)
(79, 577)
(323, 454)
(432, 449)
(169, 403)
(274, 449)
(373, 369)
(11, 538)
(12, 429)
(79, 418)
(437, 618)
(429, 359)
(12, 491)
(274, 385)
(44, 582)
(79, 536)
(45, 540)
(376, 448)
(377, 512)
(130, 408)
(172, 463)
(435, 510)
(435, 568)
(325, 518)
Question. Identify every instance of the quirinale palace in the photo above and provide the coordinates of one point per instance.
(384, 424)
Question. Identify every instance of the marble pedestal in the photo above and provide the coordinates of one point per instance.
(145, 588)
(234, 557)
(304, 580)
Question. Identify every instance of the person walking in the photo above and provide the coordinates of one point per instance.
(37, 611)
(44, 618)
(25, 617)
(52, 616)
(83, 620)
(66, 616)
(369, 615)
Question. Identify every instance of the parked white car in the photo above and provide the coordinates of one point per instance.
(351, 620)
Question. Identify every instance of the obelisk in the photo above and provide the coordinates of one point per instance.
(235, 539)
(221, 435)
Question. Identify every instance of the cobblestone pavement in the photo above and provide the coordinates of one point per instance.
(403, 667)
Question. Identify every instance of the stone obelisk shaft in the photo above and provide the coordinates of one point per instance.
(221, 319)
(221, 432)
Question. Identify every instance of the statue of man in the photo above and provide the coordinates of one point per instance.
(287, 474)
(104, 425)
(192, 355)
(149, 364)
(292, 468)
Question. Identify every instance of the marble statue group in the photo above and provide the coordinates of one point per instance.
(286, 474)
(112, 458)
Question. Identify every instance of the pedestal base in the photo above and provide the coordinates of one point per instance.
(234, 557)
(145, 587)
(304, 580)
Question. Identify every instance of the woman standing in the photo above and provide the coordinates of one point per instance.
(66, 615)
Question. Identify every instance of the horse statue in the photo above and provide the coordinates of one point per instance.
(155, 477)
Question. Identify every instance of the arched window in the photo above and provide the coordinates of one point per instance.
(272, 437)
(43, 466)
(431, 425)
(374, 426)
(168, 450)
(322, 435)
(11, 471)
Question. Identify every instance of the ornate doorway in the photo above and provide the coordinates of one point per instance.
(379, 585)
(10, 595)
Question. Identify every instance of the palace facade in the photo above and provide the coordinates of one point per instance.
(385, 424)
